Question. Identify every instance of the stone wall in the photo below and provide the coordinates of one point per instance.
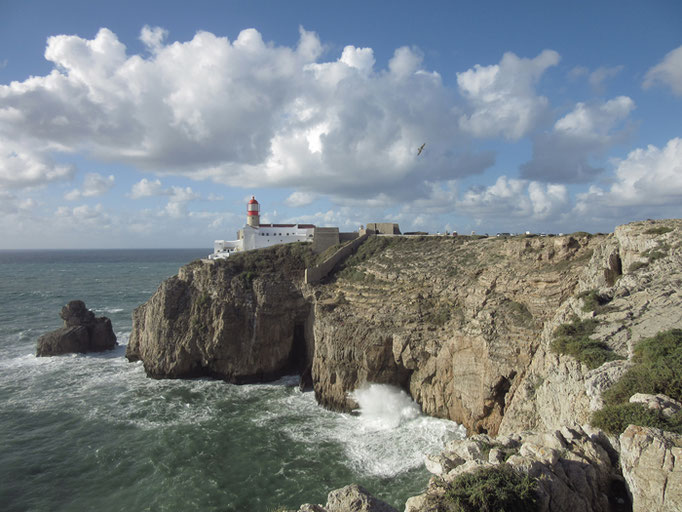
(318, 272)
(324, 238)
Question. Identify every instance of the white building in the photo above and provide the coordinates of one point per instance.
(255, 235)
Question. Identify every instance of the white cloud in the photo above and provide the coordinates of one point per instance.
(503, 95)
(247, 113)
(146, 188)
(300, 199)
(22, 167)
(667, 72)
(153, 37)
(564, 154)
(649, 179)
(83, 215)
(650, 176)
(515, 198)
(94, 185)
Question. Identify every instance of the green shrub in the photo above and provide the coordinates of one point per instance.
(614, 419)
(657, 369)
(592, 301)
(659, 230)
(492, 489)
(573, 339)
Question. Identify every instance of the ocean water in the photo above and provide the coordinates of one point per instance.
(92, 432)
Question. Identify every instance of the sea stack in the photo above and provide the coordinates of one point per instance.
(82, 332)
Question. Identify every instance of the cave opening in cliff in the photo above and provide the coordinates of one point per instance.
(298, 359)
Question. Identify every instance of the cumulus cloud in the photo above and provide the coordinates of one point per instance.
(667, 72)
(503, 97)
(146, 188)
(648, 183)
(94, 185)
(246, 112)
(153, 37)
(515, 198)
(564, 154)
(82, 215)
(299, 199)
(22, 167)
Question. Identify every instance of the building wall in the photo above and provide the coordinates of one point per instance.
(257, 238)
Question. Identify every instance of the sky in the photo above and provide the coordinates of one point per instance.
(151, 124)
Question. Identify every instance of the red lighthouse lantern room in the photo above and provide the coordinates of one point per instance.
(253, 213)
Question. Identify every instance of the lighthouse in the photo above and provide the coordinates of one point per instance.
(253, 213)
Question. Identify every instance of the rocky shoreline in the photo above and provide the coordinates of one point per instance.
(468, 326)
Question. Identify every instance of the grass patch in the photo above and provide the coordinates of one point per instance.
(493, 489)
(659, 230)
(657, 369)
(573, 339)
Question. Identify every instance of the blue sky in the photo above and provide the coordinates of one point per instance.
(149, 124)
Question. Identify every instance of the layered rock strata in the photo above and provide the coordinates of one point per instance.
(82, 332)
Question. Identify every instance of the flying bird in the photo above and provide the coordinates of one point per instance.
(421, 148)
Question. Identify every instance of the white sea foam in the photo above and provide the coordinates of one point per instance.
(108, 309)
(388, 435)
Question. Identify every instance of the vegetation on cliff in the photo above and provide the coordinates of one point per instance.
(574, 340)
(657, 370)
(492, 489)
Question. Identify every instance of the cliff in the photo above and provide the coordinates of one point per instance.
(464, 323)
(468, 325)
(241, 320)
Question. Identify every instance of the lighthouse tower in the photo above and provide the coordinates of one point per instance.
(253, 213)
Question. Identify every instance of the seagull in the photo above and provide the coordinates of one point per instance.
(421, 148)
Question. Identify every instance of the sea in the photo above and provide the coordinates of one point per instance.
(93, 432)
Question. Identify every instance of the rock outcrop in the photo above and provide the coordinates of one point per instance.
(652, 466)
(576, 469)
(241, 320)
(351, 498)
(82, 332)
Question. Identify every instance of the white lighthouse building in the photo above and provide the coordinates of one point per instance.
(255, 235)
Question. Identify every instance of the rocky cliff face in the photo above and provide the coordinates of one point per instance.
(464, 324)
(241, 320)
(645, 299)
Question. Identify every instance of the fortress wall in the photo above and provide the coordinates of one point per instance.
(323, 238)
(318, 272)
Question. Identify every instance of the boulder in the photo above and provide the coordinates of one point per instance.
(82, 332)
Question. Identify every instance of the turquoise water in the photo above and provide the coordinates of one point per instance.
(92, 432)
